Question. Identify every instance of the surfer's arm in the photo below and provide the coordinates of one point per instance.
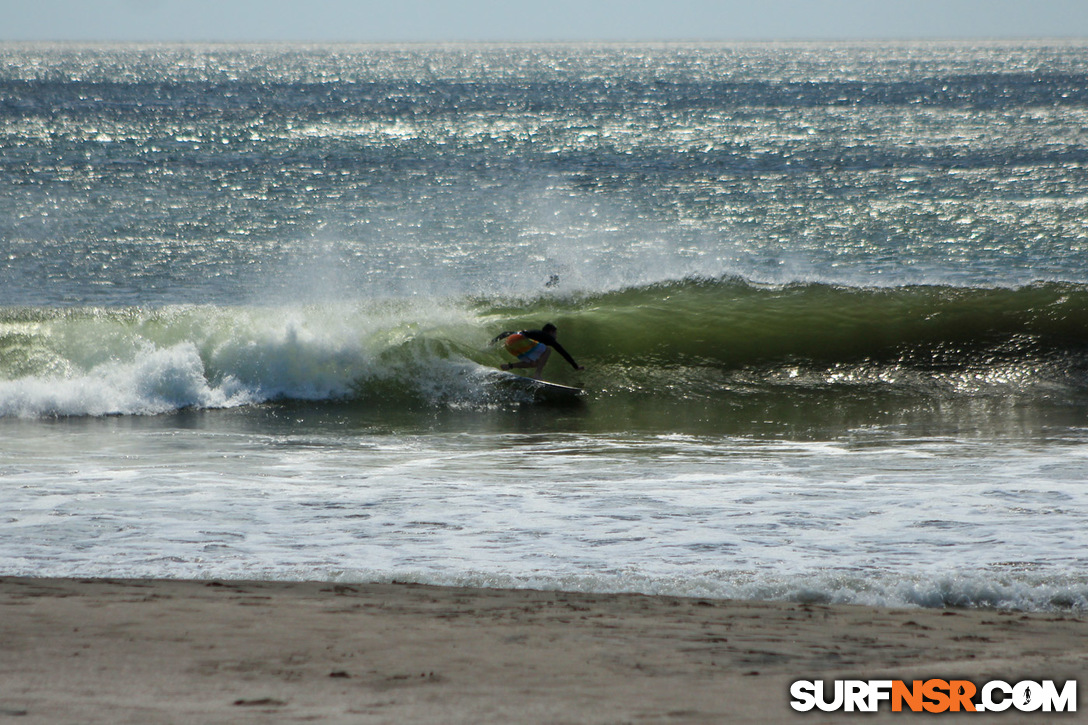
(566, 356)
(550, 341)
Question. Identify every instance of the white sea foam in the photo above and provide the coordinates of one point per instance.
(153, 381)
(707, 518)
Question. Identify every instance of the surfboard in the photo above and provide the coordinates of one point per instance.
(541, 389)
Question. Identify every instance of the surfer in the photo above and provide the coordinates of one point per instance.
(533, 348)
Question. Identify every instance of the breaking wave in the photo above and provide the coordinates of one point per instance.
(693, 338)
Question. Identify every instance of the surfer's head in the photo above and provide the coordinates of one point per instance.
(550, 329)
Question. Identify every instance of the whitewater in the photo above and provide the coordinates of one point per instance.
(832, 301)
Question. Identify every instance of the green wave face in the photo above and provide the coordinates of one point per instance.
(732, 323)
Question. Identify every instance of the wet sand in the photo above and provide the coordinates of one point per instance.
(119, 651)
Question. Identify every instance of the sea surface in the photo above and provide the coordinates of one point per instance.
(831, 300)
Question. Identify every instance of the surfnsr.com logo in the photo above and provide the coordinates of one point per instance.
(933, 695)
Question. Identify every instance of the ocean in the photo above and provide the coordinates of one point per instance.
(831, 300)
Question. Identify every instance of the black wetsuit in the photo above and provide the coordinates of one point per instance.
(543, 337)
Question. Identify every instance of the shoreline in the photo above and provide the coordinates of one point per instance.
(171, 651)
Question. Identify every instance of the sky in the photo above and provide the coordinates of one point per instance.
(374, 21)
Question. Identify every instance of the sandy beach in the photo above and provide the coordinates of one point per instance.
(119, 651)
